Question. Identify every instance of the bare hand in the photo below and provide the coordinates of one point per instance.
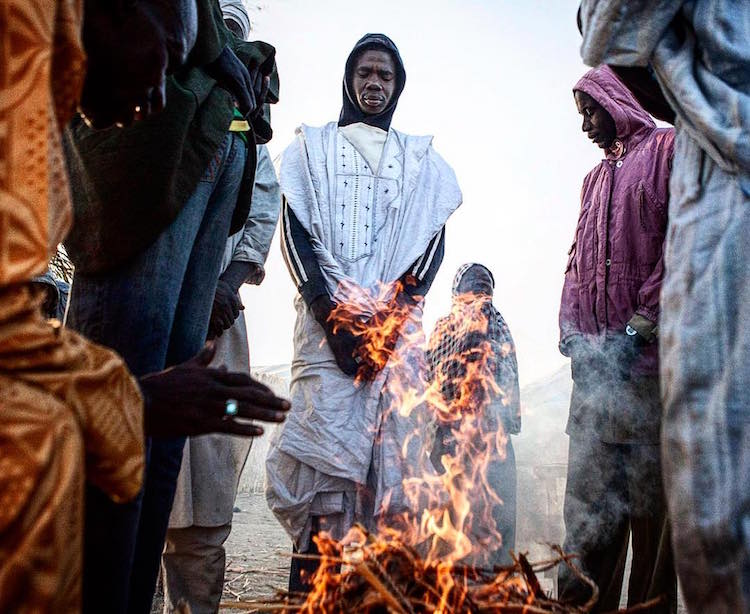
(256, 275)
(190, 399)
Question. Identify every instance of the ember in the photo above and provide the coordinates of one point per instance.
(389, 576)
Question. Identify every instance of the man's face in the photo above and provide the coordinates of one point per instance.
(476, 281)
(597, 123)
(374, 81)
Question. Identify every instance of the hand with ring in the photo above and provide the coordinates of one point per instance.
(194, 399)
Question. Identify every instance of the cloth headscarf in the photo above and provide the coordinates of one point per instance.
(236, 11)
(350, 111)
(462, 270)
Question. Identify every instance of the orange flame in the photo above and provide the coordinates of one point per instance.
(451, 516)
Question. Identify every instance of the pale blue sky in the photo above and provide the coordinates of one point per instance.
(491, 80)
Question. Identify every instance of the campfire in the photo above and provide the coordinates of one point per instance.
(434, 556)
(385, 575)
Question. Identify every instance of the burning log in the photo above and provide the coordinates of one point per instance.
(388, 576)
(434, 557)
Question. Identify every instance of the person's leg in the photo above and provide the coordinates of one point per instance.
(596, 522)
(131, 310)
(502, 478)
(188, 334)
(652, 571)
(705, 370)
(301, 570)
(193, 567)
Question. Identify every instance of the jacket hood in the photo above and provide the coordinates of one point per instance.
(350, 111)
(631, 119)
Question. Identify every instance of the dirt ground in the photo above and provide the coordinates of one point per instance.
(258, 552)
(258, 555)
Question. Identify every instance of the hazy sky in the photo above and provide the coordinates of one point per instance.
(491, 80)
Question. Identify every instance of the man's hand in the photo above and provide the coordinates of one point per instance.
(628, 347)
(342, 342)
(587, 363)
(131, 47)
(190, 399)
(256, 274)
(232, 75)
(226, 309)
(343, 345)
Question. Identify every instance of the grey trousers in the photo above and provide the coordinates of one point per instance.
(705, 376)
(193, 567)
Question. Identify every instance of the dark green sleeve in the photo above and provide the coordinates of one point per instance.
(212, 34)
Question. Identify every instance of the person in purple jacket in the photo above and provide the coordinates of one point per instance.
(608, 327)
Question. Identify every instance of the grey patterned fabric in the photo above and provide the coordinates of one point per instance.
(700, 53)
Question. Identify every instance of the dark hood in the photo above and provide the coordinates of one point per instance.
(631, 119)
(350, 111)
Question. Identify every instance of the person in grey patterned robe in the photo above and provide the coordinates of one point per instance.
(475, 331)
(698, 51)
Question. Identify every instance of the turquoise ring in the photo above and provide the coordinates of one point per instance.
(230, 407)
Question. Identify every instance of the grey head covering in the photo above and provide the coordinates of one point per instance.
(236, 11)
(462, 271)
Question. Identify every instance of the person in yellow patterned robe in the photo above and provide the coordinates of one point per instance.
(65, 403)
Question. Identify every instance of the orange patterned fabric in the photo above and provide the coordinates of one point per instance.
(66, 405)
(69, 410)
(41, 70)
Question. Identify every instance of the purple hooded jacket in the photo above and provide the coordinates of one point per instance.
(615, 264)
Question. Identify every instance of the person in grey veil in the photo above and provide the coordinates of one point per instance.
(475, 331)
(201, 519)
(694, 56)
(365, 205)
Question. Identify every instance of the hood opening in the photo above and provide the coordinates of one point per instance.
(350, 111)
(631, 119)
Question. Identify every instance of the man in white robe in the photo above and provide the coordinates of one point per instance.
(364, 205)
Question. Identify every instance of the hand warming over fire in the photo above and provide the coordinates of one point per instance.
(375, 336)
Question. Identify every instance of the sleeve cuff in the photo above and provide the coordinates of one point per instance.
(312, 290)
(645, 327)
(567, 342)
(248, 254)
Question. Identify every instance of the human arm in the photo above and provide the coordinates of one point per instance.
(248, 71)
(506, 378)
(261, 222)
(190, 399)
(568, 318)
(417, 280)
(250, 253)
(585, 356)
(381, 332)
(260, 59)
(305, 271)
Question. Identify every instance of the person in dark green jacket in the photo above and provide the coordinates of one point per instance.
(154, 203)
